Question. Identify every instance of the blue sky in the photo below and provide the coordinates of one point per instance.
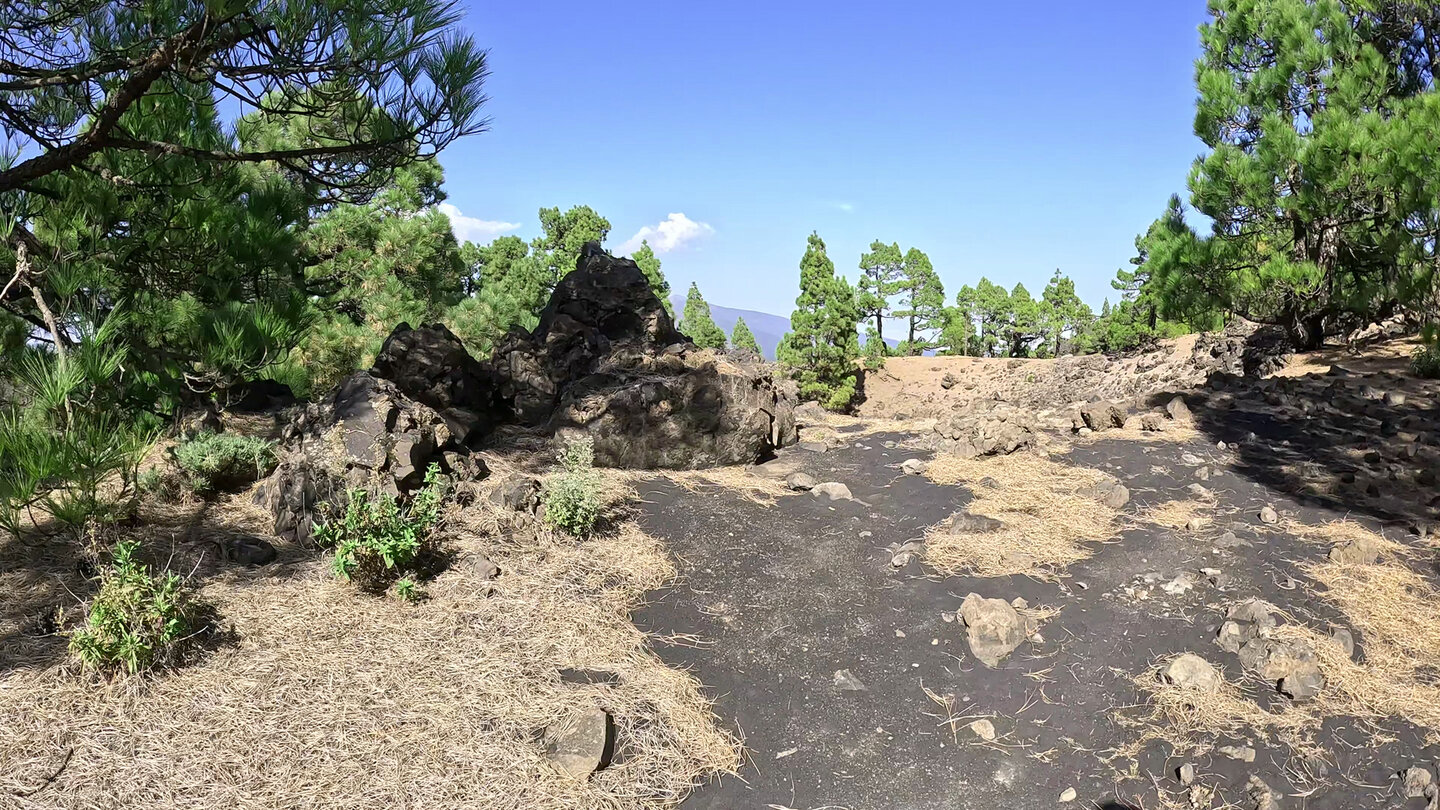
(1001, 143)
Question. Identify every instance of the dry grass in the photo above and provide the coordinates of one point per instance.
(1048, 525)
(1181, 432)
(1179, 715)
(335, 699)
(1395, 613)
(1178, 514)
(1339, 532)
(744, 481)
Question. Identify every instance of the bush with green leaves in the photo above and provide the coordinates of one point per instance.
(572, 496)
(377, 538)
(63, 438)
(218, 460)
(138, 620)
(1426, 362)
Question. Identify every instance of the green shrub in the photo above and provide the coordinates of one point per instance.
(138, 620)
(63, 442)
(1426, 362)
(406, 590)
(377, 538)
(572, 497)
(217, 460)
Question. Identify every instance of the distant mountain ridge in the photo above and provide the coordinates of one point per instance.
(768, 329)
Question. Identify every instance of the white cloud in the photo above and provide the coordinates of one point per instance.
(470, 229)
(848, 208)
(676, 231)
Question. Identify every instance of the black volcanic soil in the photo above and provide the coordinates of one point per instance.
(782, 596)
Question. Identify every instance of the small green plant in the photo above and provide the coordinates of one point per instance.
(217, 460)
(377, 538)
(138, 620)
(1425, 362)
(406, 590)
(572, 497)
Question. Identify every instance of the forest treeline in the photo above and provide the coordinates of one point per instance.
(195, 195)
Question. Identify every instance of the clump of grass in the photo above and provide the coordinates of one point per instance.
(376, 538)
(1425, 362)
(572, 497)
(1178, 514)
(214, 461)
(1180, 715)
(1047, 524)
(1395, 613)
(138, 620)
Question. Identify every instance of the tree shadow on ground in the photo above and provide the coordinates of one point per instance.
(1354, 442)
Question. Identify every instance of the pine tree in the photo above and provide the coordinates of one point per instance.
(697, 324)
(823, 346)
(1022, 326)
(743, 340)
(992, 314)
(650, 265)
(924, 302)
(557, 250)
(882, 277)
(1320, 117)
(958, 335)
(1063, 315)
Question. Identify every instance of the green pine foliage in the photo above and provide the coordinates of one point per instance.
(697, 324)
(378, 539)
(1065, 320)
(649, 264)
(65, 435)
(743, 340)
(924, 302)
(1320, 121)
(557, 250)
(882, 277)
(572, 495)
(212, 461)
(138, 620)
(823, 346)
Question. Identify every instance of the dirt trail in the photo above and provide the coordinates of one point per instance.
(783, 596)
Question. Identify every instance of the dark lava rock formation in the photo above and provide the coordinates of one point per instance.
(604, 361)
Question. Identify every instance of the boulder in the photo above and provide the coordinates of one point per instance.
(1242, 349)
(368, 434)
(832, 491)
(1099, 416)
(1190, 671)
(987, 431)
(801, 482)
(1177, 409)
(582, 743)
(430, 365)
(605, 360)
(993, 628)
